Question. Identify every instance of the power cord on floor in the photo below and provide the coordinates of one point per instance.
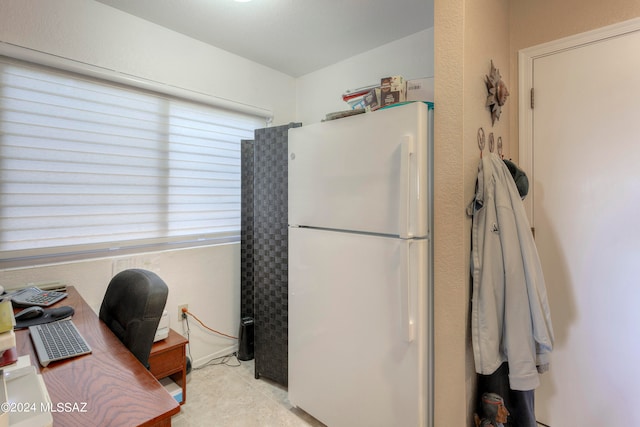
(230, 360)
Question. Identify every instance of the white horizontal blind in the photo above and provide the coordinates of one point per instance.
(87, 165)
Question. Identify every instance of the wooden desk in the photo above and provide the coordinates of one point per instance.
(116, 388)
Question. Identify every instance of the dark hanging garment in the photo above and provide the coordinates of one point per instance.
(519, 177)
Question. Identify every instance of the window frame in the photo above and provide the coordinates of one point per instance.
(26, 257)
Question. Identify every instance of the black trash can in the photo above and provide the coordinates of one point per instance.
(245, 342)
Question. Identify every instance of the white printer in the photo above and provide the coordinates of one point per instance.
(163, 327)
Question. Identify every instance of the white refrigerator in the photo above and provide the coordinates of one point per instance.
(360, 269)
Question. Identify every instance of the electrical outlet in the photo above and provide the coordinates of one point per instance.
(180, 308)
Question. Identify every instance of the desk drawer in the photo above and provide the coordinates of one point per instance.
(168, 362)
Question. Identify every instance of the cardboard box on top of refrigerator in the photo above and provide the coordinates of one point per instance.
(420, 89)
(392, 90)
(372, 99)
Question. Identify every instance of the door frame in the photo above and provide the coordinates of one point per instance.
(526, 59)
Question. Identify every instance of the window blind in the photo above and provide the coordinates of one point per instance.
(89, 165)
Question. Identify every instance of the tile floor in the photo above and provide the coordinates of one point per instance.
(228, 395)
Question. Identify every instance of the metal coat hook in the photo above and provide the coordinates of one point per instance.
(491, 142)
(500, 147)
(481, 140)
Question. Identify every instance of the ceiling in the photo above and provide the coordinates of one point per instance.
(295, 37)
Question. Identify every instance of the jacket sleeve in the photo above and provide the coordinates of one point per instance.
(517, 339)
(526, 306)
(541, 325)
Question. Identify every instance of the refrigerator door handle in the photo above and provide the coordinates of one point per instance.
(407, 153)
(406, 295)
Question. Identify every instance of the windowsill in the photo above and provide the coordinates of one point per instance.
(32, 261)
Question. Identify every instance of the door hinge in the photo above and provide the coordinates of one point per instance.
(532, 98)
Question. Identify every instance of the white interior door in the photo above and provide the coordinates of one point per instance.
(584, 164)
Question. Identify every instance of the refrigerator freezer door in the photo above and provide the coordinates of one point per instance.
(358, 328)
(365, 173)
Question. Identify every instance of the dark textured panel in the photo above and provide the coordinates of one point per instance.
(270, 254)
(246, 230)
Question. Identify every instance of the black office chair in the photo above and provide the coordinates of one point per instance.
(132, 308)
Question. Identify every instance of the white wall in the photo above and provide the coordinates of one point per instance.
(207, 279)
(321, 92)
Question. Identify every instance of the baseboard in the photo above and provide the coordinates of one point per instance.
(216, 355)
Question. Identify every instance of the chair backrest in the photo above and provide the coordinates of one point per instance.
(132, 308)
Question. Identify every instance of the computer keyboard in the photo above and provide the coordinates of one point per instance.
(57, 341)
